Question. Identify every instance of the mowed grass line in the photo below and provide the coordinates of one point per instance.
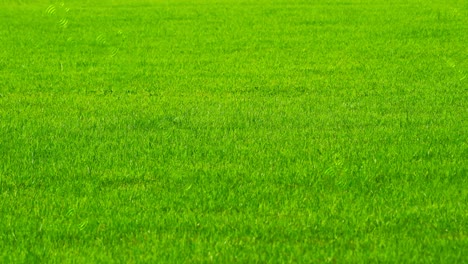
(217, 131)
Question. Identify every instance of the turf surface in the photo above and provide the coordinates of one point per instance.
(233, 131)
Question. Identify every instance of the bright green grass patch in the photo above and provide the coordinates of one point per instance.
(197, 131)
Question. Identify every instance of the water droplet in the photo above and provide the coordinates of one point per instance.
(51, 10)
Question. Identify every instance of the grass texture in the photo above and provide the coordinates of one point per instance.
(234, 131)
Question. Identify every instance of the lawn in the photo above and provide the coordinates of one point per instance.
(268, 131)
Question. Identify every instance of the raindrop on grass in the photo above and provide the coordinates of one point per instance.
(51, 10)
(63, 22)
(100, 39)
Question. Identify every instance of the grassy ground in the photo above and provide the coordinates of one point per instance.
(234, 131)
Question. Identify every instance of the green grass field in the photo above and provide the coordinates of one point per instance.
(270, 131)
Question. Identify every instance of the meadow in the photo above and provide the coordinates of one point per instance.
(269, 131)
